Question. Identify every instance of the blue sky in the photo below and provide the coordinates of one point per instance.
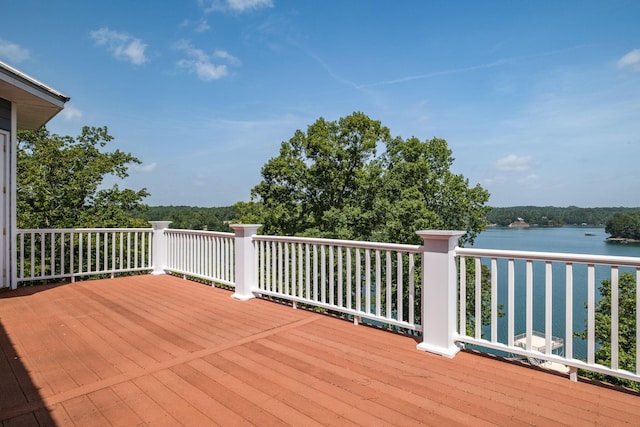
(539, 100)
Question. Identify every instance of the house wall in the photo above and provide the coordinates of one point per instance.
(5, 114)
(8, 121)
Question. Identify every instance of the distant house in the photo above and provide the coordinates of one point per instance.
(519, 223)
(25, 104)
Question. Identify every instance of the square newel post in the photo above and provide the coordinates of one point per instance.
(439, 291)
(159, 248)
(245, 265)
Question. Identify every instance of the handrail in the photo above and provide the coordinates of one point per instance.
(69, 253)
(198, 232)
(366, 280)
(550, 256)
(545, 286)
(344, 243)
(206, 255)
(70, 230)
(379, 282)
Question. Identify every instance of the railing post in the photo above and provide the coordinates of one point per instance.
(439, 291)
(245, 265)
(159, 248)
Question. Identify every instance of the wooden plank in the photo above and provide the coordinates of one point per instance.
(83, 412)
(147, 409)
(177, 406)
(113, 409)
(251, 411)
(159, 350)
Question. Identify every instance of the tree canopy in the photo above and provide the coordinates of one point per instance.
(331, 181)
(60, 181)
(553, 216)
(624, 225)
(191, 217)
(626, 326)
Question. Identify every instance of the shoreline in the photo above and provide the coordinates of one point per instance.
(544, 226)
(621, 240)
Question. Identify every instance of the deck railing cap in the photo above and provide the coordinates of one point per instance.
(440, 234)
(159, 225)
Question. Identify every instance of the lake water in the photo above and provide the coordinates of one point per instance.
(583, 240)
(548, 239)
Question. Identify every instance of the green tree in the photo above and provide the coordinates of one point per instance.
(191, 217)
(318, 184)
(551, 216)
(624, 225)
(60, 181)
(627, 344)
(331, 182)
(419, 191)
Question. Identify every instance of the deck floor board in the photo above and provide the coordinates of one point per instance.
(160, 350)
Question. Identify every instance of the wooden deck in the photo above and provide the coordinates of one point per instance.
(158, 350)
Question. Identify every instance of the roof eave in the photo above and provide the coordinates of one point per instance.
(36, 102)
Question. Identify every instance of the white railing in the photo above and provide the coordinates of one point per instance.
(203, 254)
(375, 281)
(547, 298)
(69, 253)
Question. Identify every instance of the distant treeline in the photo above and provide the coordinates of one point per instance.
(624, 226)
(551, 216)
(190, 217)
(217, 218)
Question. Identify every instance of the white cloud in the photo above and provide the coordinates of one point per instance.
(13, 52)
(532, 178)
(121, 45)
(144, 167)
(234, 5)
(202, 26)
(514, 163)
(70, 112)
(223, 54)
(199, 26)
(242, 5)
(631, 59)
(200, 63)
